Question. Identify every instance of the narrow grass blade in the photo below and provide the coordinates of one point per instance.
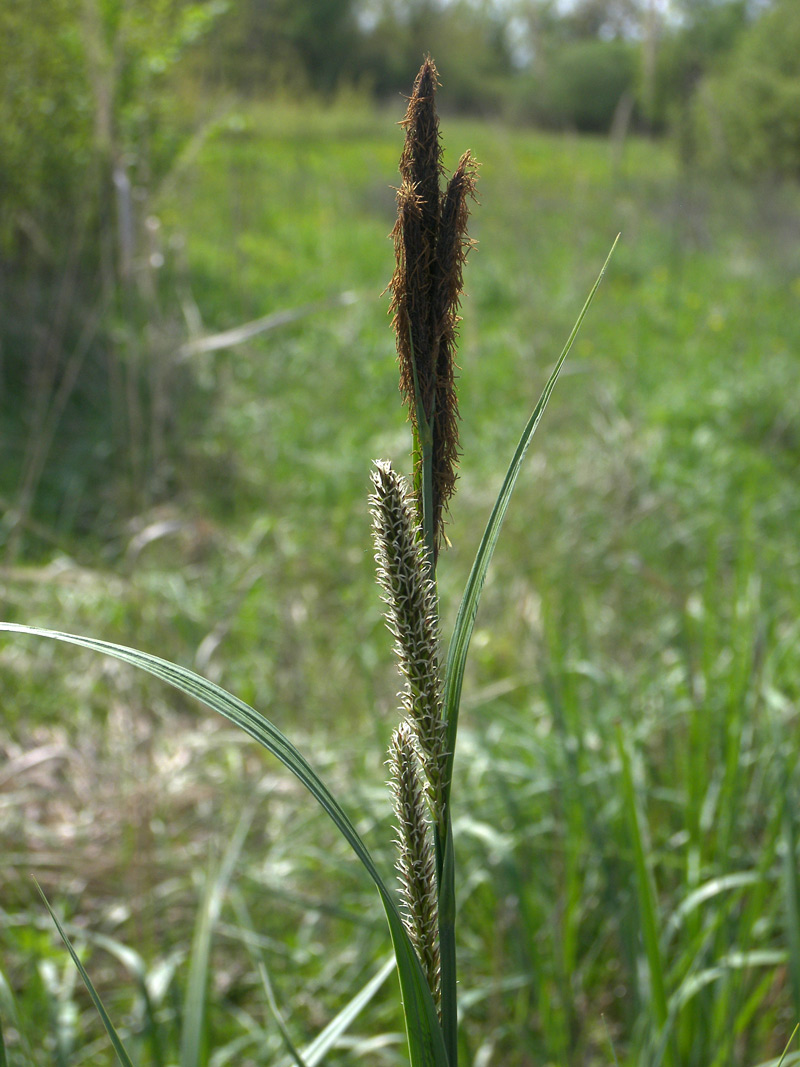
(119, 1048)
(276, 1011)
(447, 945)
(3, 1060)
(708, 891)
(325, 1040)
(426, 1046)
(786, 1050)
(790, 891)
(193, 1027)
(733, 961)
(257, 955)
(465, 621)
(610, 1040)
(8, 1008)
(134, 964)
(645, 892)
(193, 1024)
(315, 1052)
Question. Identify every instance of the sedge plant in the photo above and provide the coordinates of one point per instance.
(431, 245)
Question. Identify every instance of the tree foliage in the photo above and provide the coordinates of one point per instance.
(747, 114)
(89, 122)
(46, 117)
(704, 37)
(587, 81)
(267, 44)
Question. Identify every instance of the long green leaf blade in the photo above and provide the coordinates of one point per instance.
(8, 1008)
(646, 896)
(193, 1027)
(468, 609)
(791, 893)
(457, 660)
(447, 944)
(325, 1040)
(426, 1045)
(294, 1052)
(257, 955)
(322, 1044)
(119, 1048)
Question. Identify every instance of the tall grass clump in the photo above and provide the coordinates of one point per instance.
(431, 245)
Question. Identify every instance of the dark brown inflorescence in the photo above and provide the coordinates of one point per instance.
(431, 245)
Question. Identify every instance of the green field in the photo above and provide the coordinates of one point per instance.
(631, 899)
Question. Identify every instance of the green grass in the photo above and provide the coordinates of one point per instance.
(647, 578)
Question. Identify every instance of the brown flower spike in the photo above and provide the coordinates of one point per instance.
(431, 245)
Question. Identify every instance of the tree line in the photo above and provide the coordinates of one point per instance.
(84, 83)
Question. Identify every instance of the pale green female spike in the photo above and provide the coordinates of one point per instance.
(411, 615)
(415, 863)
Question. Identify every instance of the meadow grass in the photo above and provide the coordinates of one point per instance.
(627, 838)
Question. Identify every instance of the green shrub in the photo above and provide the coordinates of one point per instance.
(688, 53)
(45, 118)
(586, 82)
(90, 124)
(747, 118)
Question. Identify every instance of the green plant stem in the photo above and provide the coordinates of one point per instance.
(442, 829)
(445, 874)
(443, 837)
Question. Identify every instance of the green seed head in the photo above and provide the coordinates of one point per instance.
(411, 615)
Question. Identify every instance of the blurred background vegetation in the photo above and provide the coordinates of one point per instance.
(102, 104)
(195, 371)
